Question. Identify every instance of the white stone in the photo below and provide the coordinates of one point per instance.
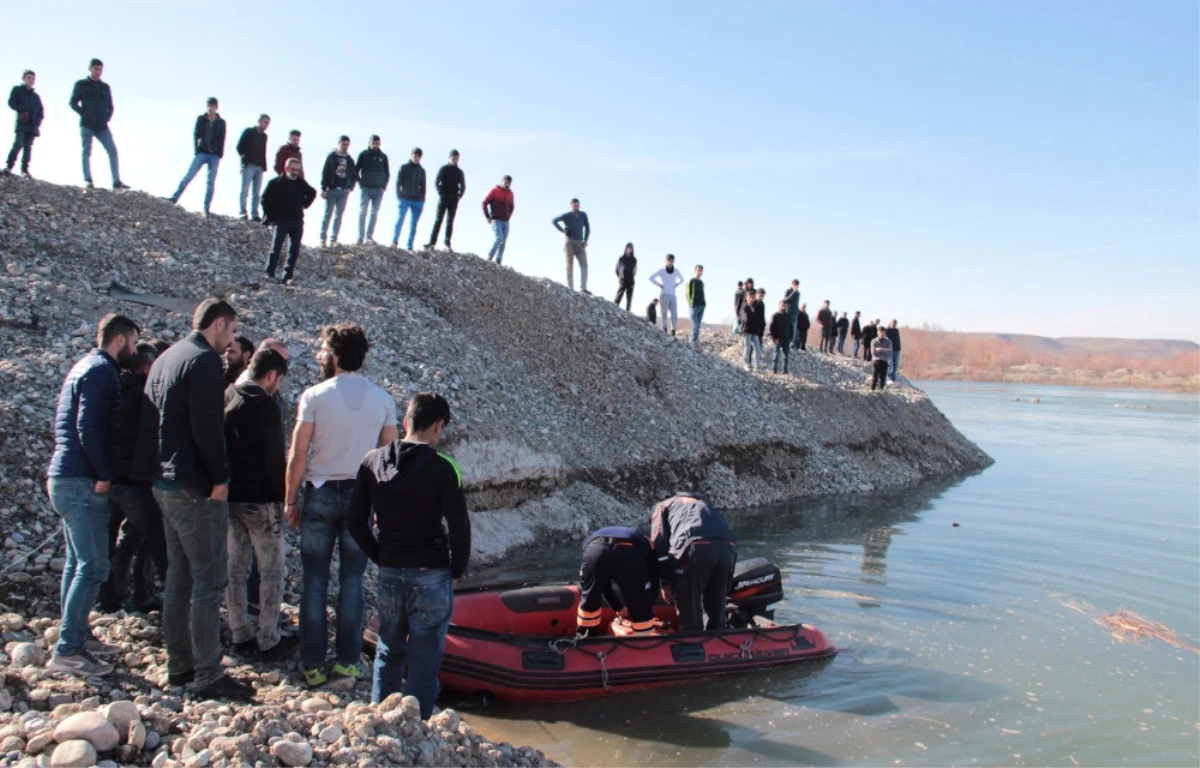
(90, 726)
(26, 655)
(292, 753)
(74, 753)
(121, 714)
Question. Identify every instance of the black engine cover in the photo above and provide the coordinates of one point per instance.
(757, 585)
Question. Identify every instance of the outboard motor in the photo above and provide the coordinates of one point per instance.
(757, 585)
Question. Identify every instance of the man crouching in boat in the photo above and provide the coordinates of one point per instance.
(424, 543)
(696, 554)
(621, 557)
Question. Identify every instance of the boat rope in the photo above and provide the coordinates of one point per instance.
(744, 648)
(564, 644)
(600, 657)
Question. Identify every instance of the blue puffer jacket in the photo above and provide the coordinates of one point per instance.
(85, 427)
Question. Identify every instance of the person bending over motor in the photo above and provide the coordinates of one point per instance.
(620, 557)
(696, 553)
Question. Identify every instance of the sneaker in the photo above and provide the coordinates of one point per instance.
(323, 244)
(359, 241)
(88, 183)
(586, 292)
(247, 649)
(256, 218)
(227, 688)
(121, 185)
(98, 648)
(333, 242)
(82, 664)
(286, 646)
(26, 175)
(315, 677)
(369, 241)
(243, 215)
(172, 199)
(357, 671)
(449, 249)
(180, 679)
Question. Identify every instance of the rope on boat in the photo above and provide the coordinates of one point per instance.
(601, 656)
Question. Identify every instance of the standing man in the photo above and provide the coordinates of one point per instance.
(208, 141)
(754, 324)
(869, 336)
(28, 105)
(424, 544)
(893, 334)
(498, 208)
(739, 301)
(410, 191)
(374, 173)
(575, 225)
(289, 151)
(792, 298)
(802, 326)
(626, 271)
(881, 352)
(283, 203)
(252, 148)
(843, 327)
(667, 280)
(181, 450)
(856, 333)
(451, 185)
(826, 320)
(337, 181)
(92, 101)
(696, 554)
(80, 475)
(781, 334)
(338, 421)
(257, 461)
(695, 297)
(652, 312)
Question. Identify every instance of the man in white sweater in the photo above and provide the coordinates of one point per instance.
(668, 279)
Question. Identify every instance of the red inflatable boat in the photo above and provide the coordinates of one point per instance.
(519, 644)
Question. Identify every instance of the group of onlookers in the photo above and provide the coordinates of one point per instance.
(180, 454)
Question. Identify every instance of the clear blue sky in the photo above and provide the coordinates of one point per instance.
(987, 166)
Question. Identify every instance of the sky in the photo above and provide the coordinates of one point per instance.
(1023, 167)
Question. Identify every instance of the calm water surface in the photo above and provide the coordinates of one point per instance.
(962, 645)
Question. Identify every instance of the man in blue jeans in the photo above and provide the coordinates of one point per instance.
(410, 190)
(696, 301)
(92, 101)
(337, 182)
(338, 421)
(80, 475)
(208, 141)
(374, 173)
(424, 543)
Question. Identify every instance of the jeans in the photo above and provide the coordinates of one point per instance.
(368, 197)
(106, 140)
(795, 322)
(895, 363)
(140, 535)
(667, 306)
(22, 142)
(415, 605)
(501, 230)
(405, 206)
(781, 350)
(197, 531)
(258, 529)
(575, 249)
(697, 319)
(283, 231)
(201, 159)
(252, 181)
(753, 347)
(626, 290)
(335, 206)
(857, 344)
(85, 524)
(322, 526)
(841, 343)
(447, 207)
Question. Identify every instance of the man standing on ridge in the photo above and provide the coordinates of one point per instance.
(451, 185)
(739, 301)
(667, 280)
(792, 298)
(626, 271)
(410, 191)
(781, 333)
(337, 182)
(340, 420)
(284, 201)
(374, 173)
(754, 324)
(696, 554)
(826, 320)
(498, 208)
(696, 302)
(28, 105)
(802, 325)
(92, 101)
(80, 476)
(424, 544)
(893, 334)
(289, 151)
(856, 333)
(843, 327)
(869, 336)
(208, 141)
(252, 148)
(575, 225)
(881, 353)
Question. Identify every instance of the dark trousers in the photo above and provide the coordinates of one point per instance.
(615, 570)
(626, 290)
(827, 338)
(801, 340)
(701, 584)
(879, 371)
(137, 540)
(283, 231)
(23, 141)
(447, 207)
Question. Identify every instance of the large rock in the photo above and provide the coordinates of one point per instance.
(27, 655)
(89, 726)
(121, 714)
(292, 753)
(74, 753)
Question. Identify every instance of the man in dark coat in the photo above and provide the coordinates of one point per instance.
(802, 326)
(374, 173)
(828, 323)
(868, 333)
(410, 190)
(696, 554)
(284, 201)
(92, 100)
(252, 148)
(893, 334)
(208, 142)
(626, 270)
(28, 105)
(856, 333)
(451, 185)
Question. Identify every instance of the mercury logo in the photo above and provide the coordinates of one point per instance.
(759, 580)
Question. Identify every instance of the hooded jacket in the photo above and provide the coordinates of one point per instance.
(92, 101)
(501, 202)
(339, 172)
(681, 520)
(254, 439)
(410, 182)
(252, 146)
(626, 268)
(417, 498)
(28, 106)
(373, 169)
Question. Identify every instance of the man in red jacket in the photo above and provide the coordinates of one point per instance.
(287, 152)
(498, 209)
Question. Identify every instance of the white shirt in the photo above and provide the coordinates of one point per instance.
(667, 281)
(347, 413)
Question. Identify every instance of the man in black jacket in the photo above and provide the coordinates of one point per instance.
(843, 327)
(893, 334)
(781, 334)
(337, 182)
(754, 325)
(451, 186)
(208, 141)
(828, 324)
(373, 176)
(652, 312)
(626, 270)
(181, 451)
(424, 543)
(284, 201)
(410, 191)
(856, 333)
(28, 105)
(803, 323)
(696, 554)
(252, 147)
(868, 333)
(92, 101)
(257, 462)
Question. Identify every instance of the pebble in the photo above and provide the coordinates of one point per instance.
(292, 753)
(75, 753)
(90, 726)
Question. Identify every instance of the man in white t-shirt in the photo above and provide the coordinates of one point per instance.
(668, 279)
(337, 423)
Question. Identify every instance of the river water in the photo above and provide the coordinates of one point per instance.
(978, 643)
